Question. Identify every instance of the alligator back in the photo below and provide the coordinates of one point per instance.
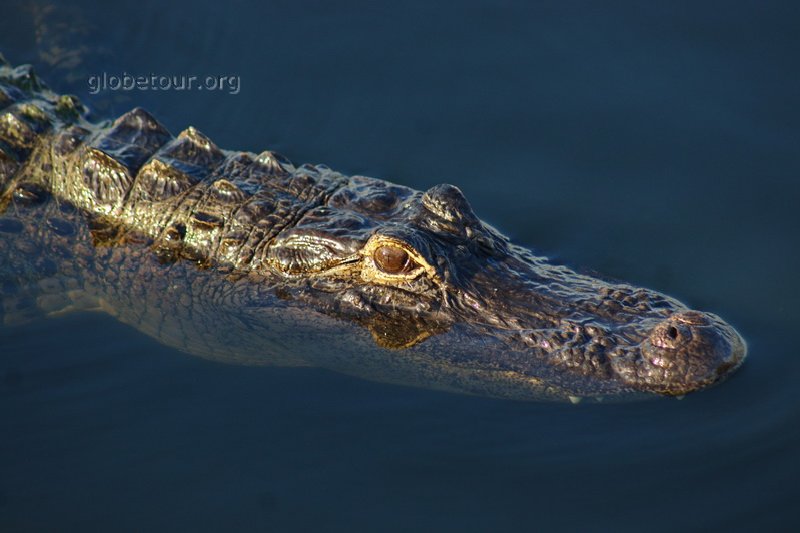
(160, 231)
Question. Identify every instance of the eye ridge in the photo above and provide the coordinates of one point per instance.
(393, 260)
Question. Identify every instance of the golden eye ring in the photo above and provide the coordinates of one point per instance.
(390, 261)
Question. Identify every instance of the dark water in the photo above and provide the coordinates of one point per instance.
(654, 144)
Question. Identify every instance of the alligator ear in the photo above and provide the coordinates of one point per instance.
(448, 202)
(399, 333)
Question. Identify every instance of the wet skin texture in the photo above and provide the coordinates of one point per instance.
(243, 257)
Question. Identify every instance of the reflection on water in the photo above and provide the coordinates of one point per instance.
(655, 145)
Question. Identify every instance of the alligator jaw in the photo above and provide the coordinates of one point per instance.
(602, 348)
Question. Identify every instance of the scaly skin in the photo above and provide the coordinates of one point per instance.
(242, 257)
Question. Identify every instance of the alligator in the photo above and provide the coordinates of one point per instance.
(247, 258)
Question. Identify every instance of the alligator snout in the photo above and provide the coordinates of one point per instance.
(683, 353)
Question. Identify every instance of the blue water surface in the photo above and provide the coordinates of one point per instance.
(653, 142)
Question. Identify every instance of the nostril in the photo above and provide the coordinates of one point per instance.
(671, 335)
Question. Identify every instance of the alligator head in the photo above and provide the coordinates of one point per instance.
(411, 265)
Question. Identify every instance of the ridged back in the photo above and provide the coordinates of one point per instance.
(192, 198)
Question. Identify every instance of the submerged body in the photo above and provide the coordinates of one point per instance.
(243, 257)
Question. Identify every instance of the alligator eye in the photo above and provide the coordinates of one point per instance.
(393, 260)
